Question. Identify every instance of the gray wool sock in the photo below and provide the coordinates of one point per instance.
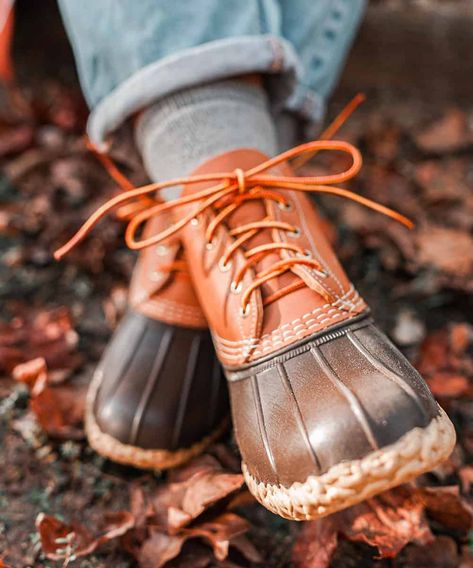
(183, 130)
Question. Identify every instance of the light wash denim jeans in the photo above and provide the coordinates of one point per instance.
(130, 53)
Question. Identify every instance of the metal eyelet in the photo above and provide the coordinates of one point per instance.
(194, 222)
(162, 250)
(285, 206)
(210, 246)
(305, 254)
(294, 234)
(156, 276)
(245, 312)
(236, 288)
(224, 267)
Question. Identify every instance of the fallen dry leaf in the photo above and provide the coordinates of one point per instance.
(445, 249)
(158, 549)
(388, 522)
(315, 544)
(219, 532)
(446, 506)
(60, 540)
(446, 360)
(246, 548)
(451, 385)
(445, 182)
(198, 486)
(190, 505)
(450, 133)
(466, 559)
(63, 541)
(59, 409)
(33, 373)
(47, 334)
(466, 477)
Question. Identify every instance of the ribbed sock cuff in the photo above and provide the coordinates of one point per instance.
(183, 130)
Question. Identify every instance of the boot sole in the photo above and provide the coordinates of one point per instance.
(127, 454)
(351, 482)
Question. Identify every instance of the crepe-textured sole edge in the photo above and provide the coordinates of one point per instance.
(348, 483)
(127, 454)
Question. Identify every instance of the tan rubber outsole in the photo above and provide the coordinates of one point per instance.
(349, 483)
(111, 448)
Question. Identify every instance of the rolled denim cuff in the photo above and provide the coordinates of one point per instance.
(270, 55)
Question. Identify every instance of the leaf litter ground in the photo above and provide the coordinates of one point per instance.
(61, 504)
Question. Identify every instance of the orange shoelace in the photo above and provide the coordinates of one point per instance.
(231, 190)
(126, 212)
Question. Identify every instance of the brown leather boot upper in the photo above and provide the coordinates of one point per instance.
(161, 287)
(159, 370)
(313, 384)
(243, 337)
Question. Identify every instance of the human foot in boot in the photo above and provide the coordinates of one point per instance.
(326, 411)
(158, 396)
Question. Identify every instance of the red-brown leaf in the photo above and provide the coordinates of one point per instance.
(451, 385)
(445, 249)
(450, 133)
(115, 525)
(466, 476)
(60, 540)
(219, 532)
(158, 549)
(446, 361)
(47, 334)
(315, 544)
(446, 506)
(139, 506)
(200, 485)
(174, 515)
(33, 373)
(206, 489)
(60, 410)
(388, 522)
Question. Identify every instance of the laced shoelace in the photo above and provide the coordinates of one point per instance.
(126, 212)
(231, 191)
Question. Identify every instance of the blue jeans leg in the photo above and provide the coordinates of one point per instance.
(131, 53)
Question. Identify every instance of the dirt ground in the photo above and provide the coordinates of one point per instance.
(61, 504)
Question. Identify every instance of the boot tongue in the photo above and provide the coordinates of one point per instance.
(248, 212)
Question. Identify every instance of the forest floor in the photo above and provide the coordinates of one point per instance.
(61, 504)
